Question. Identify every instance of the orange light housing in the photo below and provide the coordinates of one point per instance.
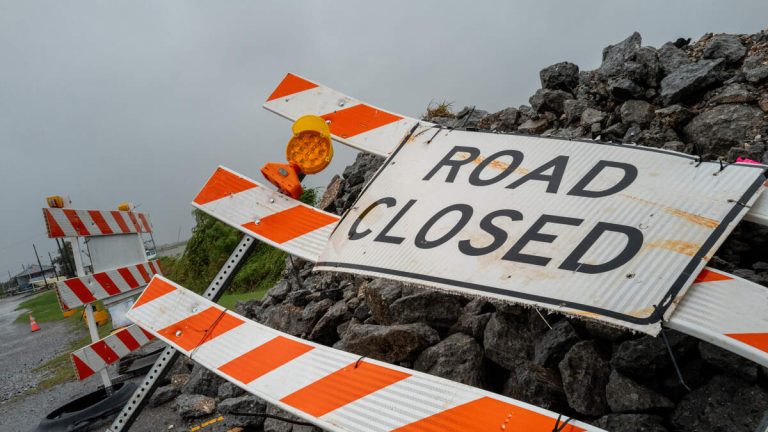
(310, 149)
(55, 201)
(284, 177)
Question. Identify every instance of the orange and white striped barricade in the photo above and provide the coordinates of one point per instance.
(333, 389)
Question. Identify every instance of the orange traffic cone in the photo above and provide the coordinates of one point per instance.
(32, 324)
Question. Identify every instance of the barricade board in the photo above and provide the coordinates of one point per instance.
(612, 232)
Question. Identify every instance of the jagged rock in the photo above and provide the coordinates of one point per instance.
(473, 319)
(573, 109)
(763, 103)
(202, 382)
(179, 380)
(631, 423)
(331, 193)
(163, 395)
(724, 126)
(551, 348)
(194, 405)
(627, 396)
(560, 76)
(636, 111)
(647, 356)
(505, 341)
(591, 116)
(725, 46)
(389, 343)
(468, 117)
(549, 100)
(244, 404)
(672, 58)
(436, 309)
(280, 290)
(723, 404)
(616, 56)
(689, 80)
(674, 116)
(755, 68)
(728, 362)
(324, 331)
(532, 126)
(380, 294)
(502, 121)
(228, 390)
(536, 385)
(734, 93)
(624, 88)
(458, 358)
(585, 373)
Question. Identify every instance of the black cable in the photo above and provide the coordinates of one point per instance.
(674, 361)
(559, 427)
(272, 416)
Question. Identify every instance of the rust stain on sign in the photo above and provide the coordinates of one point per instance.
(499, 165)
(642, 313)
(677, 246)
(690, 217)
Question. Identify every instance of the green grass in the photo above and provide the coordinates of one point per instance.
(44, 306)
(229, 300)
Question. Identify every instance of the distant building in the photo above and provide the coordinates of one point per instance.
(31, 274)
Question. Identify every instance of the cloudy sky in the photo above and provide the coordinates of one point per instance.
(141, 100)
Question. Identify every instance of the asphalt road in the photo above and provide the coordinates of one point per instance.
(21, 351)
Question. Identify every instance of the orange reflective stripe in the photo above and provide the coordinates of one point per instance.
(291, 223)
(76, 222)
(342, 387)
(143, 271)
(200, 328)
(357, 119)
(156, 288)
(54, 230)
(757, 340)
(120, 221)
(289, 85)
(485, 414)
(707, 275)
(221, 184)
(264, 359)
(82, 369)
(98, 219)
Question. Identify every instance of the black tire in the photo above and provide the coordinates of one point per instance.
(81, 412)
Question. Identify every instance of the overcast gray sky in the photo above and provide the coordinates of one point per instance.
(141, 100)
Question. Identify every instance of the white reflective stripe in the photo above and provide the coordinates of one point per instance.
(137, 275)
(759, 211)
(119, 281)
(63, 221)
(219, 351)
(137, 334)
(310, 245)
(95, 287)
(110, 220)
(172, 307)
(300, 372)
(88, 356)
(415, 388)
(117, 345)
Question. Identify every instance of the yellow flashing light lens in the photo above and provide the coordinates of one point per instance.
(55, 201)
(124, 206)
(310, 148)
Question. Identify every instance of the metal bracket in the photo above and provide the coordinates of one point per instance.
(140, 397)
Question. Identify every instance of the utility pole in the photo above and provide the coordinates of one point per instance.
(55, 272)
(45, 279)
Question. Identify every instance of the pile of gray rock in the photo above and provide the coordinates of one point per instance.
(707, 98)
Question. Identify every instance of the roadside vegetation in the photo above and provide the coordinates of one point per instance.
(208, 249)
(44, 307)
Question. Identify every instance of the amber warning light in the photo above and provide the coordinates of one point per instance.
(309, 151)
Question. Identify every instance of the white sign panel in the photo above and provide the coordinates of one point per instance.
(611, 232)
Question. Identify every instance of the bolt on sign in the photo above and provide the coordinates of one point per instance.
(615, 233)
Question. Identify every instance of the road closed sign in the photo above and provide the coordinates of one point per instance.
(611, 232)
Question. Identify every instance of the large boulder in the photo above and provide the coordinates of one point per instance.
(163, 394)
(325, 329)
(728, 362)
(560, 76)
(502, 121)
(672, 58)
(537, 385)
(202, 382)
(627, 396)
(616, 57)
(434, 308)
(506, 341)
(690, 80)
(380, 294)
(755, 68)
(636, 111)
(724, 126)
(473, 319)
(585, 372)
(550, 349)
(391, 344)
(725, 46)
(723, 404)
(647, 356)
(458, 358)
(549, 100)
